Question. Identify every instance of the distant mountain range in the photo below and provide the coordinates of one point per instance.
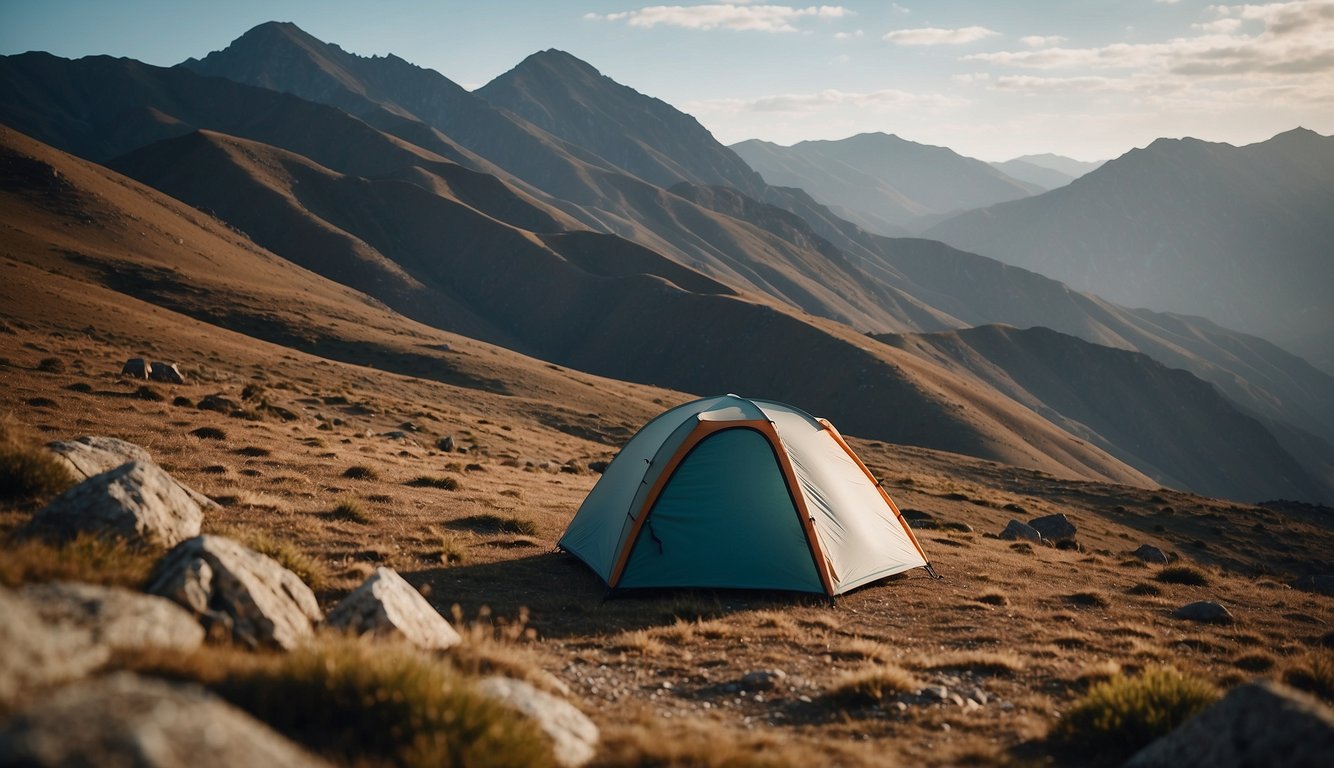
(662, 261)
(882, 182)
(1241, 235)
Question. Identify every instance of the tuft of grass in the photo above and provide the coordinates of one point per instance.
(254, 451)
(1254, 662)
(1314, 674)
(181, 401)
(51, 365)
(977, 662)
(871, 686)
(86, 558)
(993, 598)
(429, 481)
(350, 510)
(862, 648)
(1145, 588)
(209, 433)
(149, 393)
(1183, 574)
(1116, 718)
(489, 523)
(311, 570)
(701, 744)
(364, 702)
(360, 472)
(27, 470)
(1090, 599)
(638, 642)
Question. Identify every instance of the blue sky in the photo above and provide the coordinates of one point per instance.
(1089, 79)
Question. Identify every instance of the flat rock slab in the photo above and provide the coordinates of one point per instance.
(573, 735)
(1054, 528)
(237, 591)
(386, 605)
(1204, 610)
(126, 720)
(1256, 725)
(137, 502)
(34, 654)
(121, 619)
(91, 455)
(1015, 530)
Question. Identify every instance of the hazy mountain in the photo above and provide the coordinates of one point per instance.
(1060, 163)
(1241, 235)
(643, 135)
(1164, 422)
(881, 181)
(1046, 178)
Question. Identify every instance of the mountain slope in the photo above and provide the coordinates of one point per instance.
(1241, 235)
(1164, 422)
(878, 179)
(645, 136)
(1046, 178)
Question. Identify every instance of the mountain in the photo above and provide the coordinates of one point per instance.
(1046, 178)
(645, 136)
(1152, 417)
(1060, 163)
(883, 182)
(1241, 235)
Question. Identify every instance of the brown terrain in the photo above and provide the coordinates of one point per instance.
(99, 268)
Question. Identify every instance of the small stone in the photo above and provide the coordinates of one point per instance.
(1206, 611)
(445, 443)
(762, 680)
(901, 706)
(386, 605)
(1015, 530)
(1054, 528)
(1150, 554)
(574, 736)
(957, 699)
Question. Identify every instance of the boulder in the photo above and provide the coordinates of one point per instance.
(136, 501)
(445, 443)
(92, 455)
(1054, 528)
(118, 618)
(1322, 584)
(135, 367)
(237, 591)
(920, 520)
(127, 720)
(573, 735)
(1015, 530)
(165, 372)
(1256, 725)
(34, 654)
(217, 403)
(1204, 610)
(1150, 554)
(385, 604)
(598, 466)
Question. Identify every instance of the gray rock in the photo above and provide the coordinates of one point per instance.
(385, 604)
(920, 520)
(598, 466)
(135, 367)
(762, 679)
(118, 618)
(1261, 724)
(238, 591)
(91, 455)
(1150, 554)
(1322, 584)
(445, 443)
(136, 501)
(1015, 530)
(34, 654)
(1204, 610)
(124, 720)
(1054, 528)
(573, 735)
(217, 403)
(165, 372)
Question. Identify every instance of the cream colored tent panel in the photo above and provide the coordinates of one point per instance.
(736, 493)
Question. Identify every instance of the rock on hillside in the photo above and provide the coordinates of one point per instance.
(138, 502)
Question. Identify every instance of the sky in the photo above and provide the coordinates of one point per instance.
(1088, 79)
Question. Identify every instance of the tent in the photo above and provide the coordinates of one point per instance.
(734, 493)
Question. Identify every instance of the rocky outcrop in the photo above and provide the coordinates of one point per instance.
(238, 592)
(126, 720)
(1015, 530)
(34, 654)
(573, 735)
(118, 618)
(1054, 528)
(386, 605)
(165, 372)
(91, 455)
(137, 502)
(1256, 725)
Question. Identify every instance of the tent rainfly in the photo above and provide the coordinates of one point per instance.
(748, 494)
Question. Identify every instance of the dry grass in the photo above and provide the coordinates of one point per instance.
(86, 557)
(639, 642)
(493, 524)
(1314, 674)
(431, 481)
(1183, 574)
(1118, 717)
(862, 648)
(27, 470)
(361, 472)
(1089, 599)
(994, 597)
(289, 555)
(871, 686)
(977, 662)
(351, 511)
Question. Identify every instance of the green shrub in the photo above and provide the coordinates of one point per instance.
(1183, 574)
(1117, 718)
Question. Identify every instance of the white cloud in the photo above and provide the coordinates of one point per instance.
(900, 10)
(734, 16)
(882, 100)
(848, 35)
(1041, 41)
(938, 36)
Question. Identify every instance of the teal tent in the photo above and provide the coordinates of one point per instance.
(735, 493)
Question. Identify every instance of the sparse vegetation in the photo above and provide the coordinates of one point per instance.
(311, 570)
(28, 471)
(1183, 574)
(51, 365)
(488, 523)
(85, 558)
(351, 511)
(1116, 718)
(429, 481)
(209, 433)
(993, 598)
(1313, 674)
(1254, 662)
(1088, 598)
(149, 393)
(360, 472)
(871, 686)
(1144, 588)
(254, 452)
(977, 662)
